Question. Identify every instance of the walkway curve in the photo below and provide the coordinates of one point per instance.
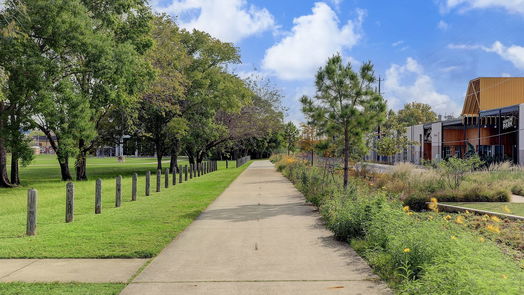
(258, 237)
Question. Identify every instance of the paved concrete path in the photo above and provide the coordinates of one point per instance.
(69, 270)
(258, 237)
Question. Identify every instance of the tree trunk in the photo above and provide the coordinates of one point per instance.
(190, 157)
(81, 162)
(4, 181)
(64, 168)
(15, 176)
(173, 162)
(159, 154)
(81, 166)
(346, 157)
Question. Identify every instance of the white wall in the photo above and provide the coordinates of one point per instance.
(436, 141)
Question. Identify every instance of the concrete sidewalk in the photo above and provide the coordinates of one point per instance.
(258, 237)
(69, 270)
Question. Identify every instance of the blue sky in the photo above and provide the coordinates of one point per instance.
(426, 50)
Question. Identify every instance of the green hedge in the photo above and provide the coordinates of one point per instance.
(416, 253)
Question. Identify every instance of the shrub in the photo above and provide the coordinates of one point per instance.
(517, 189)
(415, 254)
(454, 170)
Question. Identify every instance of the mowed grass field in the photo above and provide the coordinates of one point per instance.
(136, 229)
(514, 208)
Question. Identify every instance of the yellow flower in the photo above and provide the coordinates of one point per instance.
(459, 219)
(453, 237)
(496, 219)
(506, 209)
(434, 200)
(430, 217)
(467, 212)
(447, 217)
(433, 207)
(481, 239)
(405, 208)
(493, 228)
(407, 250)
(504, 276)
(485, 217)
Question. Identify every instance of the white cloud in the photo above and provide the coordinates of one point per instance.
(450, 69)
(442, 25)
(228, 20)
(408, 83)
(398, 43)
(505, 75)
(513, 53)
(512, 6)
(312, 40)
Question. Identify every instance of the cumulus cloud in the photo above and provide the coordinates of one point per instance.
(228, 20)
(513, 53)
(409, 83)
(311, 41)
(512, 6)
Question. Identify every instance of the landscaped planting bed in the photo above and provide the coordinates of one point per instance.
(417, 253)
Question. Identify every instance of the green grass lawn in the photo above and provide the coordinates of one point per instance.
(515, 208)
(137, 229)
(60, 289)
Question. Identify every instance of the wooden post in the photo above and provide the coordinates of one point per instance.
(98, 196)
(148, 183)
(179, 175)
(190, 171)
(70, 202)
(133, 187)
(32, 197)
(174, 175)
(118, 191)
(166, 178)
(185, 172)
(158, 180)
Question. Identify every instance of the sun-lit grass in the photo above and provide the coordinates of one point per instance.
(506, 208)
(137, 229)
(59, 289)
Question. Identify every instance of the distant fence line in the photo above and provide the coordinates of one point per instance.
(185, 173)
(243, 160)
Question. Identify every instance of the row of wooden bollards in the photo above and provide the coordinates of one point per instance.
(184, 173)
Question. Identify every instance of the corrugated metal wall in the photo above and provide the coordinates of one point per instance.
(501, 92)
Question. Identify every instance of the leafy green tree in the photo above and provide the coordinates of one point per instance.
(291, 134)
(392, 139)
(346, 104)
(116, 70)
(79, 58)
(415, 113)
